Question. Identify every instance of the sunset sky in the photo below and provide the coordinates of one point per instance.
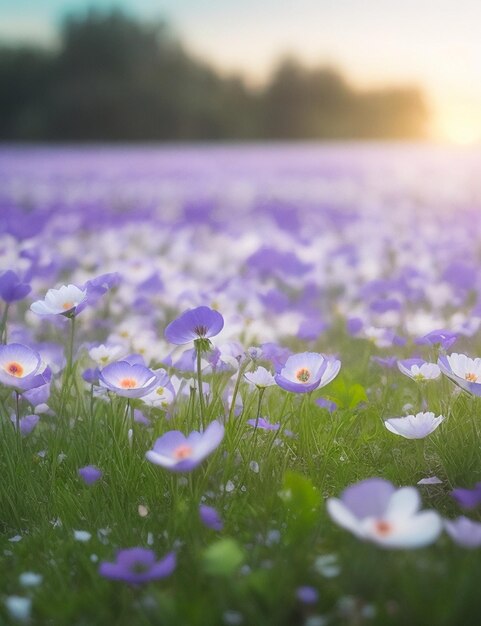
(432, 43)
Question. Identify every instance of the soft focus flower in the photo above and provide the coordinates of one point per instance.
(414, 426)
(199, 323)
(307, 371)
(443, 338)
(210, 517)
(419, 370)
(138, 565)
(21, 367)
(307, 595)
(261, 378)
(12, 288)
(128, 378)
(464, 532)
(179, 453)
(374, 510)
(468, 498)
(263, 424)
(82, 535)
(27, 423)
(30, 579)
(68, 300)
(90, 474)
(18, 607)
(463, 371)
(103, 355)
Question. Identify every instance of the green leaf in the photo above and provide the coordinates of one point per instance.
(222, 557)
(301, 500)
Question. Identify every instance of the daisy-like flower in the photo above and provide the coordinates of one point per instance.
(414, 426)
(194, 324)
(22, 368)
(261, 378)
(103, 355)
(464, 532)
(307, 371)
(419, 370)
(129, 378)
(463, 371)
(180, 453)
(68, 300)
(138, 565)
(374, 510)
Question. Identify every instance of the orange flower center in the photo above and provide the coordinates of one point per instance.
(182, 452)
(68, 305)
(14, 369)
(472, 378)
(128, 383)
(303, 375)
(382, 527)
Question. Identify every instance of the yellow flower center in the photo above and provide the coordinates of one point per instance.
(472, 378)
(68, 305)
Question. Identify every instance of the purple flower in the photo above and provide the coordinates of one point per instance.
(464, 532)
(12, 288)
(128, 378)
(138, 565)
(468, 498)
(307, 371)
(462, 370)
(307, 595)
(324, 403)
(199, 323)
(263, 424)
(374, 510)
(389, 361)
(179, 453)
(90, 474)
(442, 337)
(210, 517)
(27, 423)
(22, 368)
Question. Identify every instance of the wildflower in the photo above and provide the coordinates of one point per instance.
(19, 608)
(68, 300)
(307, 595)
(414, 426)
(138, 565)
(90, 474)
(464, 532)
(210, 517)
(307, 371)
(463, 371)
(26, 424)
(419, 370)
(468, 498)
(12, 288)
(261, 378)
(179, 453)
(374, 510)
(263, 424)
(128, 378)
(22, 368)
(194, 324)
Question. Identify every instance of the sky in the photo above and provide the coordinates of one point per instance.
(435, 44)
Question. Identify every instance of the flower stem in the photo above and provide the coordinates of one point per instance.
(3, 325)
(199, 385)
(259, 404)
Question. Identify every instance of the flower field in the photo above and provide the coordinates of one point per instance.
(240, 385)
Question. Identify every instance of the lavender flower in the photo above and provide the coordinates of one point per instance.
(462, 370)
(27, 424)
(90, 474)
(194, 324)
(22, 368)
(464, 532)
(374, 510)
(12, 288)
(307, 371)
(468, 498)
(128, 378)
(210, 517)
(179, 453)
(138, 565)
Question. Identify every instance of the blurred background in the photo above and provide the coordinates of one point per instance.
(202, 70)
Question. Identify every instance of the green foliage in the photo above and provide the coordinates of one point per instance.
(223, 557)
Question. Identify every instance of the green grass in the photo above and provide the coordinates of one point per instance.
(255, 573)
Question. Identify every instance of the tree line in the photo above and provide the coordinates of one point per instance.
(116, 78)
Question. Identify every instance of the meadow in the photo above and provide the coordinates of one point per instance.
(327, 303)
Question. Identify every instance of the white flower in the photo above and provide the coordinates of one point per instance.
(462, 370)
(419, 370)
(30, 579)
(81, 535)
(63, 301)
(19, 608)
(414, 426)
(103, 355)
(261, 378)
(374, 510)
